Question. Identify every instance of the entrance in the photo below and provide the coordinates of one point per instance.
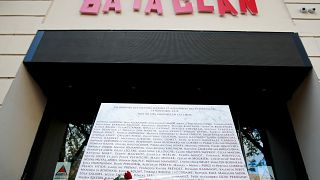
(254, 73)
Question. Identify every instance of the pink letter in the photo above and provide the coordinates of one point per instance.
(204, 8)
(136, 5)
(154, 6)
(187, 9)
(112, 5)
(90, 7)
(226, 7)
(250, 5)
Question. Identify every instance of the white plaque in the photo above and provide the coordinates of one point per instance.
(161, 141)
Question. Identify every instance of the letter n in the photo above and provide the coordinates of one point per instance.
(226, 7)
(90, 7)
(112, 5)
(250, 5)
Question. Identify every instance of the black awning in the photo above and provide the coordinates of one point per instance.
(168, 66)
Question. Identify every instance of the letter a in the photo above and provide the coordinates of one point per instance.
(112, 5)
(90, 7)
(154, 6)
(226, 7)
(187, 9)
(250, 5)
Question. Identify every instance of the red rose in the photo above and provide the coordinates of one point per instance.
(127, 175)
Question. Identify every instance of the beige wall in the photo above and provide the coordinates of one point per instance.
(19, 119)
(21, 101)
(273, 16)
(304, 109)
(19, 21)
(305, 104)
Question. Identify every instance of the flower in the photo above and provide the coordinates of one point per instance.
(127, 175)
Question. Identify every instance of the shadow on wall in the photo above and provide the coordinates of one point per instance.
(20, 116)
(304, 110)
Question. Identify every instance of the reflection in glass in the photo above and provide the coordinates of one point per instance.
(255, 153)
(259, 168)
(76, 138)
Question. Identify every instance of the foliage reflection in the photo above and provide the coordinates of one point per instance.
(258, 164)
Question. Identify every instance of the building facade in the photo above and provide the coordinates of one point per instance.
(23, 102)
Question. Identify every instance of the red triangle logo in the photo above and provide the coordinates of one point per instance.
(62, 170)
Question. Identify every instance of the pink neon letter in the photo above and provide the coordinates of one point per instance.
(250, 5)
(187, 9)
(154, 6)
(112, 5)
(136, 5)
(90, 7)
(226, 7)
(204, 8)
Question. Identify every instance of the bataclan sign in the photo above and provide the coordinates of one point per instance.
(180, 7)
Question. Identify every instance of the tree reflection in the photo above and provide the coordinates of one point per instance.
(255, 154)
(76, 138)
(252, 141)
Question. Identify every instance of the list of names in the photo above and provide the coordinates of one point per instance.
(186, 142)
